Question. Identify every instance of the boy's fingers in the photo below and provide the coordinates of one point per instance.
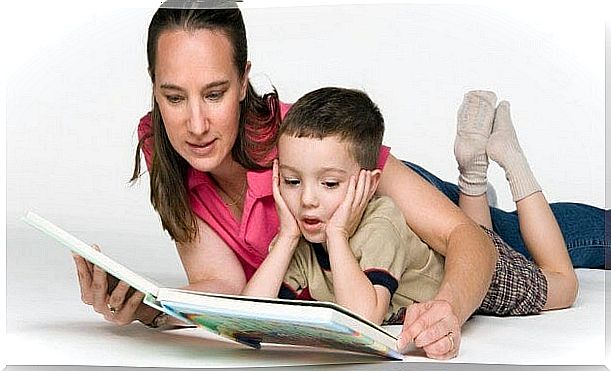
(365, 199)
(358, 193)
(275, 182)
(350, 194)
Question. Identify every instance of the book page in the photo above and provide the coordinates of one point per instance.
(92, 255)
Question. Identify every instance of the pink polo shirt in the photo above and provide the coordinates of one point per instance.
(249, 237)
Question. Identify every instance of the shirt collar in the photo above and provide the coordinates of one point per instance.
(259, 182)
(196, 178)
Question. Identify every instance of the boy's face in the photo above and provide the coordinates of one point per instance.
(314, 177)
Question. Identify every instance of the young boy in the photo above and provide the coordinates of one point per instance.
(374, 265)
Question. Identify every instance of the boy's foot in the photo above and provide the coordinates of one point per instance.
(474, 124)
(503, 148)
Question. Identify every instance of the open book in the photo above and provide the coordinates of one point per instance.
(247, 320)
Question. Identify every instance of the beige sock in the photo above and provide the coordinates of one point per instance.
(474, 124)
(503, 148)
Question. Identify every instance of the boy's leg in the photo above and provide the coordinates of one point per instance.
(474, 125)
(518, 286)
(583, 226)
(538, 227)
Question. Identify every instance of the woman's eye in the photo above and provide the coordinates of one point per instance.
(331, 184)
(291, 182)
(174, 99)
(215, 95)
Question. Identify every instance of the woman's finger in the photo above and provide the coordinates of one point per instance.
(117, 296)
(435, 331)
(411, 327)
(100, 294)
(84, 279)
(427, 322)
(444, 348)
(127, 313)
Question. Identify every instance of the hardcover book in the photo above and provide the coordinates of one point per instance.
(250, 321)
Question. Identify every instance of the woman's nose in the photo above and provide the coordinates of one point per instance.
(198, 123)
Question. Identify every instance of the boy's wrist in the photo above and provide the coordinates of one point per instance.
(288, 241)
(336, 235)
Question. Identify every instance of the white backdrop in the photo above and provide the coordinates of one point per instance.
(77, 85)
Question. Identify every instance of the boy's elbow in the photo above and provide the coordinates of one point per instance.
(562, 290)
(572, 288)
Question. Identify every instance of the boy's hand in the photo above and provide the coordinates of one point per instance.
(288, 225)
(348, 215)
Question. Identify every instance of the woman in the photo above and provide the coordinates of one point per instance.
(208, 143)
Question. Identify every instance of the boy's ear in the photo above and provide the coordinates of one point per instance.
(375, 180)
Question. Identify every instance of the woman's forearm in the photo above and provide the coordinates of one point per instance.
(464, 287)
(470, 257)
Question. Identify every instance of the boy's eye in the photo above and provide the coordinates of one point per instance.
(174, 99)
(331, 184)
(291, 181)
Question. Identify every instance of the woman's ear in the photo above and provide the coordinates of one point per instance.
(375, 180)
(244, 86)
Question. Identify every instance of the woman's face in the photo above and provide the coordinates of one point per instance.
(198, 90)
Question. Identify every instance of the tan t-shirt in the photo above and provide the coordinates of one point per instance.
(388, 251)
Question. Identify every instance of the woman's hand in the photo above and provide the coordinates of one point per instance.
(432, 326)
(347, 216)
(289, 228)
(117, 307)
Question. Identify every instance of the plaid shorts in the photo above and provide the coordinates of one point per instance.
(518, 285)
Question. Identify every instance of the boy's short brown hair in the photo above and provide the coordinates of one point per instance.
(346, 113)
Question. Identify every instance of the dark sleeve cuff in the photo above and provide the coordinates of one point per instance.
(383, 278)
(286, 292)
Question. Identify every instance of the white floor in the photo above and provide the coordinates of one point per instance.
(48, 325)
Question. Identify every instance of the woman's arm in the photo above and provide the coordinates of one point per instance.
(210, 264)
(470, 258)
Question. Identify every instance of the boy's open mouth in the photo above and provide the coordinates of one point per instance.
(310, 223)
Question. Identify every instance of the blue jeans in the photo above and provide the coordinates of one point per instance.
(583, 226)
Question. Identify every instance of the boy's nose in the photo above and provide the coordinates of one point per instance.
(308, 198)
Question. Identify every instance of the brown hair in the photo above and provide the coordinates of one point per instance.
(347, 113)
(258, 122)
